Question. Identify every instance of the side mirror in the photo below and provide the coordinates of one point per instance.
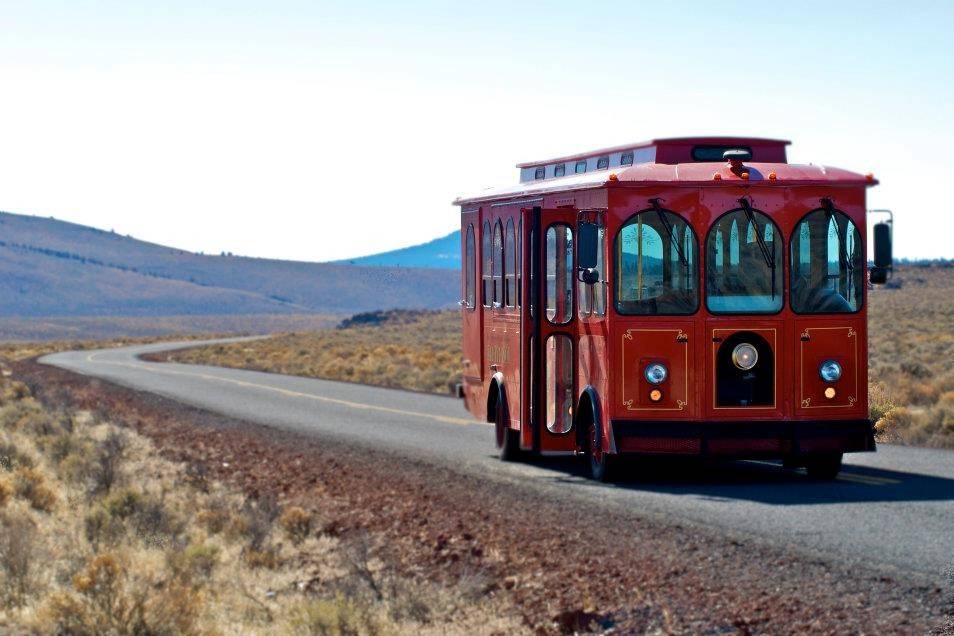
(883, 259)
(587, 245)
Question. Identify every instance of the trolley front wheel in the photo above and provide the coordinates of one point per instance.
(603, 467)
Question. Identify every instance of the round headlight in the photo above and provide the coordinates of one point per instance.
(745, 356)
(830, 371)
(655, 373)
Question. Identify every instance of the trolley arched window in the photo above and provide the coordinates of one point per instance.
(498, 264)
(827, 264)
(470, 269)
(559, 274)
(486, 267)
(655, 271)
(519, 262)
(750, 280)
(510, 261)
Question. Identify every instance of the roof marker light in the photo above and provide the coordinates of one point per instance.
(745, 176)
(772, 176)
(717, 177)
(869, 177)
(613, 177)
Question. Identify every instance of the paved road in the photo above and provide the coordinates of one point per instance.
(893, 510)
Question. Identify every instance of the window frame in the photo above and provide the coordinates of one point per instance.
(791, 270)
(559, 170)
(571, 276)
(486, 257)
(576, 168)
(470, 282)
(777, 231)
(539, 173)
(497, 252)
(700, 282)
(509, 265)
(627, 155)
(602, 163)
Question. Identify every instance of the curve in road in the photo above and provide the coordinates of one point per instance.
(892, 510)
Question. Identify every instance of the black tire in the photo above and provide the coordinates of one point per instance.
(603, 467)
(507, 440)
(823, 467)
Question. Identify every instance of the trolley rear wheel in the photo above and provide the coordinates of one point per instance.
(507, 439)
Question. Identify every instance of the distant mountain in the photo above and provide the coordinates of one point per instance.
(441, 253)
(56, 268)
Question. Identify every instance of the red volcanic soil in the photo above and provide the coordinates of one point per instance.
(563, 568)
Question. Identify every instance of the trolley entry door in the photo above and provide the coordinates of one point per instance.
(554, 342)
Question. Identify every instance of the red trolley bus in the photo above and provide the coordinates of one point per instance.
(695, 296)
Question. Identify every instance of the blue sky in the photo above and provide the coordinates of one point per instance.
(267, 129)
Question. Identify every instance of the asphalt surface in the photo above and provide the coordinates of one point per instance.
(892, 511)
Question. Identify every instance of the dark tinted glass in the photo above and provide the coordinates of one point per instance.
(656, 253)
(744, 265)
(714, 153)
(827, 264)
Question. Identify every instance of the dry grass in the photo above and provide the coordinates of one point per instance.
(417, 350)
(911, 331)
(101, 535)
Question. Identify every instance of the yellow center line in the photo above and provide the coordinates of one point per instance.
(287, 392)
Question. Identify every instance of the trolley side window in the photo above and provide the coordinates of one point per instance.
(744, 264)
(656, 256)
(559, 268)
(486, 267)
(510, 276)
(827, 264)
(470, 269)
(498, 265)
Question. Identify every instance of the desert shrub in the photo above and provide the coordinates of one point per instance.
(215, 517)
(296, 522)
(255, 521)
(264, 557)
(29, 484)
(102, 529)
(155, 523)
(896, 425)
(106, 470)
(6, 491)
(107, 599)
(11, 457)
(17, 557)
(338, 616)
(195, 562)
(123, 504)
(879, 403)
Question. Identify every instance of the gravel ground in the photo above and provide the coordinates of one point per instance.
(562, 569)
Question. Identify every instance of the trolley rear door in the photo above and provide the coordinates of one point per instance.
(471, 310)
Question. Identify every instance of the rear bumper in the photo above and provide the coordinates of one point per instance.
(743, 439)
